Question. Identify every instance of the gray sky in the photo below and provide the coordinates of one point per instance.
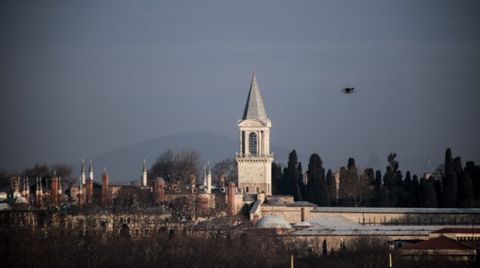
(81, 78)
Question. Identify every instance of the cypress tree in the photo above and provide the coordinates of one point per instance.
(278, 184)
(450, 182)
(331, 188)
(473, 172)
(353, 182)
(351, 189)
(392, 181)
(415, 192)
(342, 186)
(465, 192)
(316, 181)
(378, 202)
(405, 191)
(293, 176)
(427, 191)
(378, 180)
(437, 185)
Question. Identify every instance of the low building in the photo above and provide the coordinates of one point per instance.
(440, 248)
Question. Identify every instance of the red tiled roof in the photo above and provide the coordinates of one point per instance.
(440, 242)
(458, 231)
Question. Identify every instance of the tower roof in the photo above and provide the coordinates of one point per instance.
(90, 169)
(83, 167)
(254, 108)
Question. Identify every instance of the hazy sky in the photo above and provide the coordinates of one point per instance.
(81, 78)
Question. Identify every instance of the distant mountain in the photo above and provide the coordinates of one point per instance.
(125, 164)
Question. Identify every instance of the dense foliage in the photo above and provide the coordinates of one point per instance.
(451, 185)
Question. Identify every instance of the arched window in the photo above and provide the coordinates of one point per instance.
(243, 142)
(252, 145)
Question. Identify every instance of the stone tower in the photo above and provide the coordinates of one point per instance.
(255, 160)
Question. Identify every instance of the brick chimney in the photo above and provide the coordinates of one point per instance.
(231, 206)
(105, 190)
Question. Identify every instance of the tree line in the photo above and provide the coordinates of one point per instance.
(451, 185)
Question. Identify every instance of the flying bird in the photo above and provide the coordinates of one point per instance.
(348, 90)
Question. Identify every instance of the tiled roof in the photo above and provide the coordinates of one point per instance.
(437, 243)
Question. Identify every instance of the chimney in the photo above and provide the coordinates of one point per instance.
(231, 204)
(54, 190)
(105, 188)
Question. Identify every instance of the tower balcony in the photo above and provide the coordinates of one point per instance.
(253, 156)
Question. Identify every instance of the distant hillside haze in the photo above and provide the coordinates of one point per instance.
(125, 164)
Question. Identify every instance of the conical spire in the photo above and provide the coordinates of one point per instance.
(83, 167)
(90, 171)
(209, 170)
(82, 173)
(254, 108)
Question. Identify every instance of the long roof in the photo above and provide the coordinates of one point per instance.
(437, 243)
(254, 108)
(398, 210)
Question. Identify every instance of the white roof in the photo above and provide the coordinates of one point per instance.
(273, 222)
(339, 225)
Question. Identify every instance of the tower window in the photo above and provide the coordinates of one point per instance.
(252, 143)
(246, 189)
(243, 142)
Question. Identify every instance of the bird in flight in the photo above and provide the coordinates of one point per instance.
(349, 90)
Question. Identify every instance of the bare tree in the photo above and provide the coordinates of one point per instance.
(225, 171)
(174, 166)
